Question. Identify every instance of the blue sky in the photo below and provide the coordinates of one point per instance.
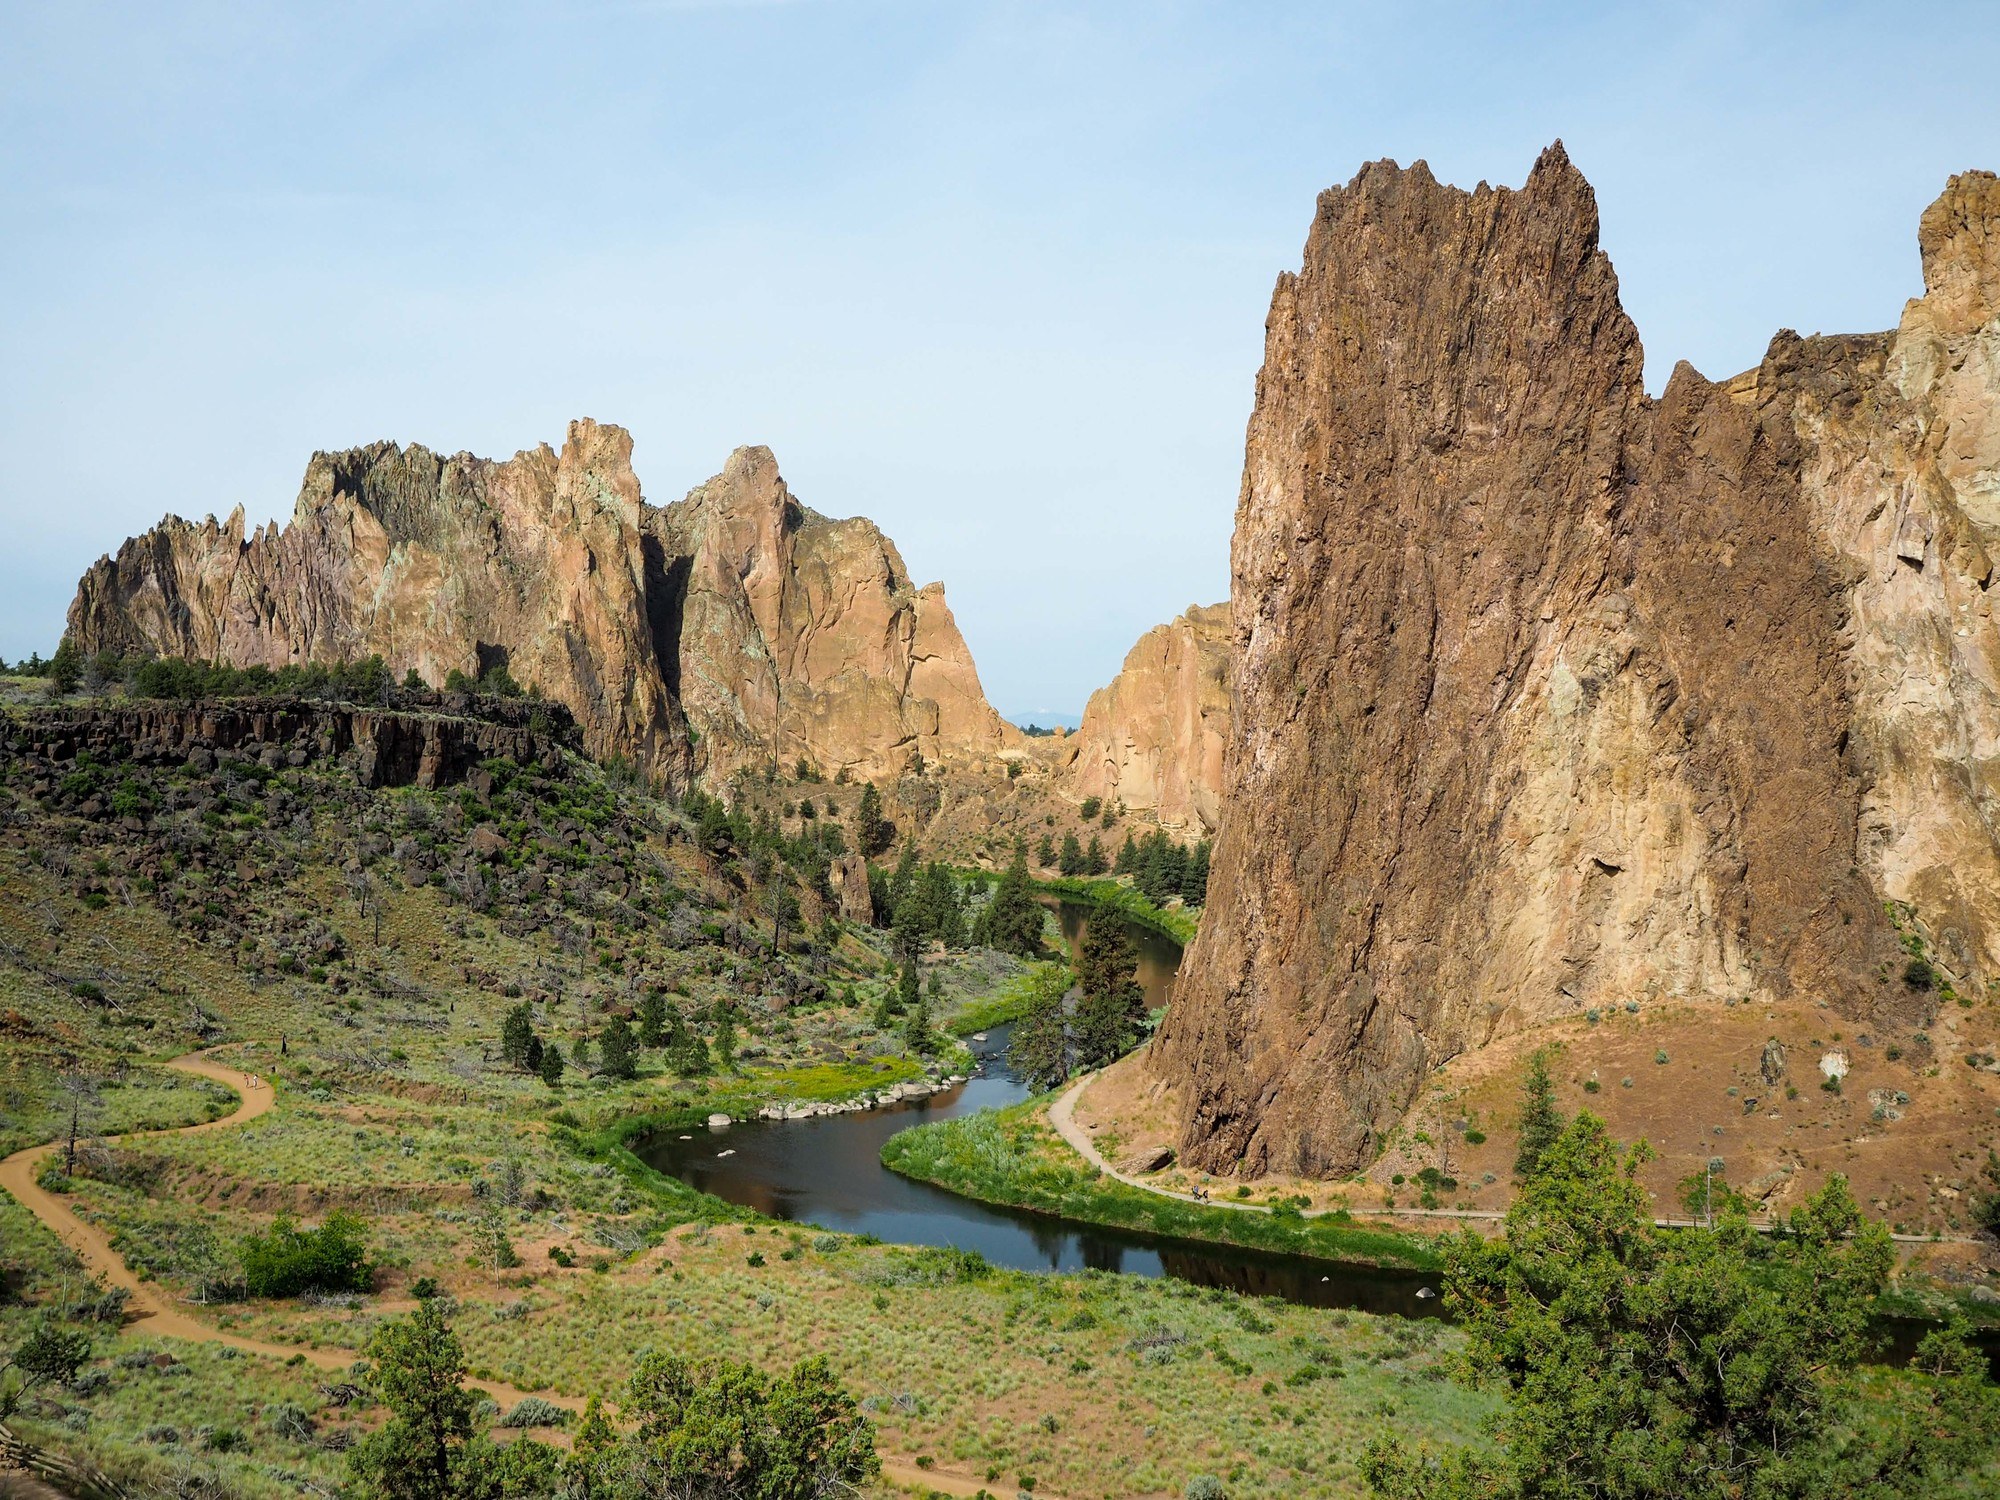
(992, 274)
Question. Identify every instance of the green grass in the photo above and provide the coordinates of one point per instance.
(1014, 1157)
(1009, 1004)
(1177, 925)
(1110, 895)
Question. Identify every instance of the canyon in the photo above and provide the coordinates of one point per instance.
(1554, 697)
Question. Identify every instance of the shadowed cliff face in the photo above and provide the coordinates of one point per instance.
(1548, 696)
(771, 632)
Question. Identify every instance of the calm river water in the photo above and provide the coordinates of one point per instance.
(828, 1172)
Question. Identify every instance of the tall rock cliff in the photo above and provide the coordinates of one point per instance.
(1153, 737)
(804, 637)
(785, 634)
(537, 563)
(1551, 696)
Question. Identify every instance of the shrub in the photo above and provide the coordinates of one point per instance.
(533, 1411)
(290, 1260)
(1204, 1487)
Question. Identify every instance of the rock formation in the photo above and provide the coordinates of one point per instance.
(785, 634)
(1552, 696)
(416, 739)
(1153, 737)
(801, 636)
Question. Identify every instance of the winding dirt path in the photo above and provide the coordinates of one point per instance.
(150, 1312)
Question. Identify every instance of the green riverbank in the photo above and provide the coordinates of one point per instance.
(1013, 1158)
(1176, 924)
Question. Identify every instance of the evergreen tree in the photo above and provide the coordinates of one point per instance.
(579, 1053)
(426, 1450)
(1038, 1048)
(532, 1060)
(1094, 862)
(653, 1019)
(552, 1065)
(65, 668)
(616, 1047)
(1112, 1004)
(906, 985)
(1045, 852)
(1691, 1364)
(517, 1033)
(1128, 856)
(724, 1047)
(1070, 862)
(1194, 888)
(685, 1052)
(871, 836)
(1541, 1121)
(917, 1026)
(1012, 920)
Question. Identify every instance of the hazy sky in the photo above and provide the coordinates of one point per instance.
(992, 274)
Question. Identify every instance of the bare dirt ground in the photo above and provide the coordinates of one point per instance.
(1910, 1126)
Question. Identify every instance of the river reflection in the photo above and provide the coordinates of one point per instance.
(828, 1172)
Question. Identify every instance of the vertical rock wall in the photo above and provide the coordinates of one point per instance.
(1550, 696)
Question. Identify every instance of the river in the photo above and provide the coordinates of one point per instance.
(828, 1171)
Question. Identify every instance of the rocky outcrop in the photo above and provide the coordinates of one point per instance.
(803, 637)
(785, 634)
(1153, 738)
(424, 740)
(1551, 696)
(848, 877)
(537, 564)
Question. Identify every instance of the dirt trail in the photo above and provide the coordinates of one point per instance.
(149, 1311)
(1062, 1115)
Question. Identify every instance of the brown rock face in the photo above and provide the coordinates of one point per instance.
(1153, 738)
(786, 634)
(1550, 696)
(801, 636)
(436, 563)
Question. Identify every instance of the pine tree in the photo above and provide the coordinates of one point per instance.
(617, 1049)
(1094, 862)
(1070, 862)
(870, 835)
(1113, 1004)
(1045, 852)
(906, 985)
(1128, 856)
(552, 1065)
(517, 1030)
(653, 1019)
(425, 1449)
(917, 1026)
(1038, 1049)
(1541, 1121)
(1012, 920)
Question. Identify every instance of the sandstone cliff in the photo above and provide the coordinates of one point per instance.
(784, 633)
(1551, 696)
(1153, 738)
(802, 636)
